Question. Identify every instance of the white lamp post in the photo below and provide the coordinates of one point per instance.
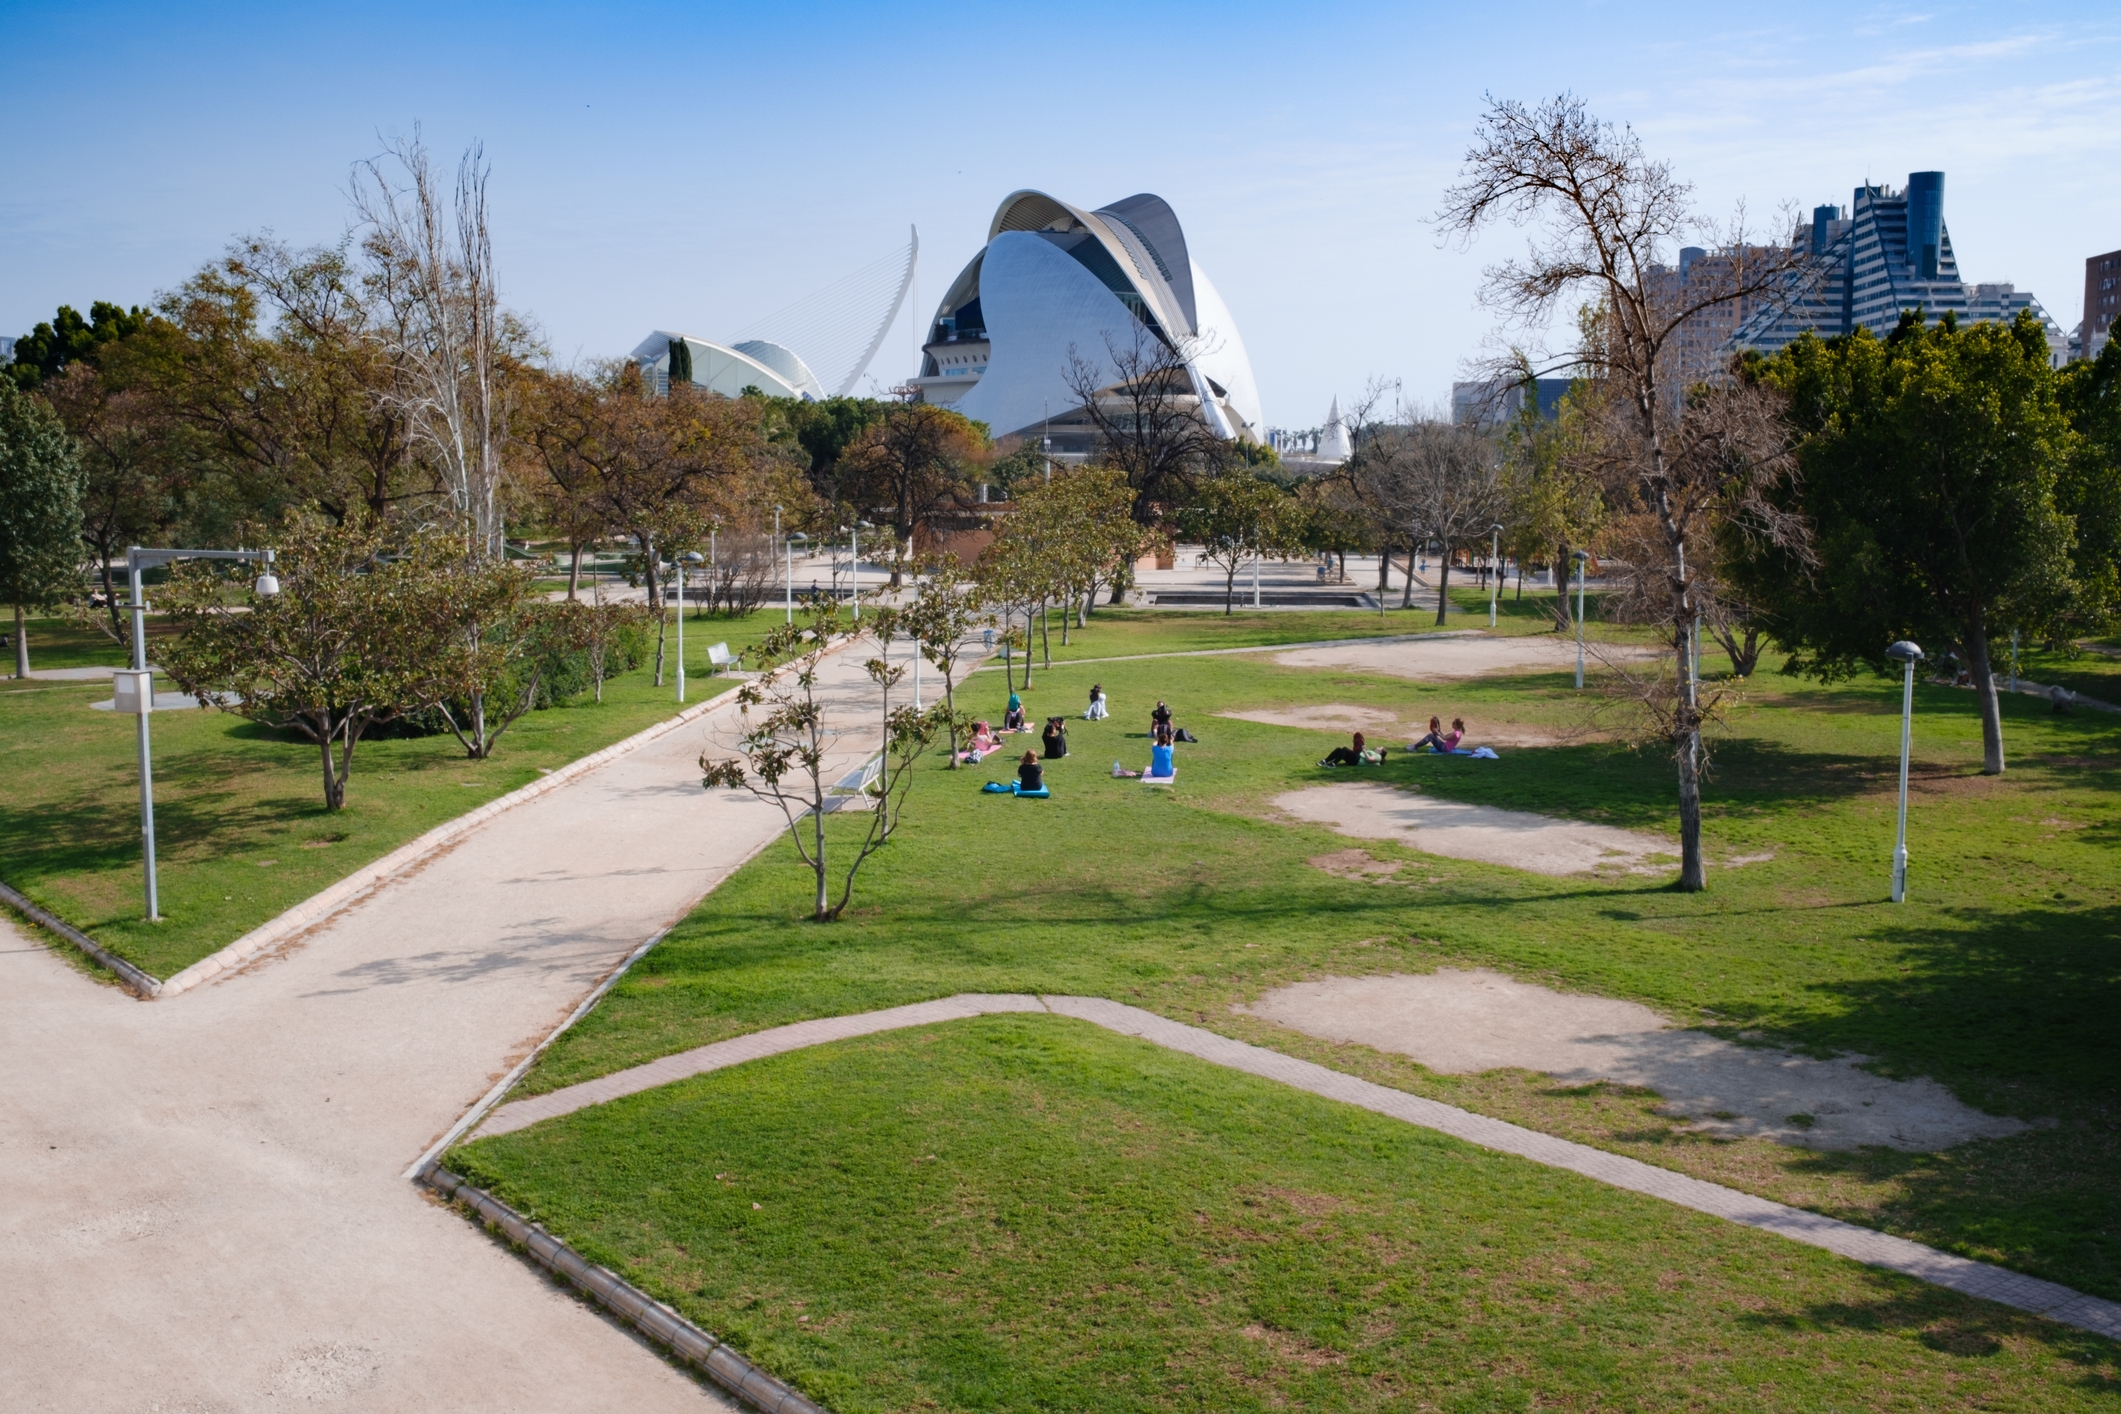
(1495, 564)
(689, 557)
(1582, 561)
(791, 565)
(1907, 654)
(142, 694)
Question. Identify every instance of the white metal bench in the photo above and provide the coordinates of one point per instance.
(719, 657)
(861, 780)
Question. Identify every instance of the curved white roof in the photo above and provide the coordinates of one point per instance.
(1054, 276)
(719, 368)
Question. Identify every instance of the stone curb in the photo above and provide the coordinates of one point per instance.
(1860, 1244)
(130, 977)
(320, 906)
(627, 1302)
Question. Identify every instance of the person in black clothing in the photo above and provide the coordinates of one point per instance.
(1161, 717)
(1029, 774)
(1056, 738)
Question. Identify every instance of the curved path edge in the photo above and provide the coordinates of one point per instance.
(626, 1301)
(1867, 1245)
(361, 882)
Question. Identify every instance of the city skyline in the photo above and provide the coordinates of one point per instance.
(702, 173)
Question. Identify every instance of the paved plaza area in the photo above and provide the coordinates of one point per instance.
(205, 1203)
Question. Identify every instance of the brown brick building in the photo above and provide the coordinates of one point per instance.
(2102, 300)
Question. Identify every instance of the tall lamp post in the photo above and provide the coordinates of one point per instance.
(793, 536)
(1907, 654)
(1495, 564)
(791, 565)
(142, 682)
(1582, 561)
(690, 557)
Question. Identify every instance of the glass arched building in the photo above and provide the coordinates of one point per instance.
(1055, 280)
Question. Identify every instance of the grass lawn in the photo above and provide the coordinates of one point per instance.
(1029, 1213)
(2001, 978)
(241, 830)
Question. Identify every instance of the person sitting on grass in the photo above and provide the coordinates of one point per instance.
(984, 743)
(1029, 774)
(1162, 763)
(1160, 719)
(1055, 738)
(1438, 740)
(1097, 711)
(1358, 755)
(1014, 721)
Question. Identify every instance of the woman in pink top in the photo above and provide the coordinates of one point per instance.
(1440, 741)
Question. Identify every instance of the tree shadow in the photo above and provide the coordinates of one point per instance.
(1952, 1324)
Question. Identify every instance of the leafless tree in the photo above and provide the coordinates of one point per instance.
(432, 281)
(1689, 452)
(1147, 416)
(1452, 492)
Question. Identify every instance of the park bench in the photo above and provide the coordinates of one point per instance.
(719, 657)
(859, 782)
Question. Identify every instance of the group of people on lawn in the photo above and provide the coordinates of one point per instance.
(1437, 741)
(1164, 734)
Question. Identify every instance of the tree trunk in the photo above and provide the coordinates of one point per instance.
(1045, 631)
(1406, 597)
(1230, 588)
(334, 779)
(574, 572)
(1443, 588)
(1563, 621)
(950, 707)
(110, 599)
(1985, 688)
(824, 892)
(21, 643)
(1384, 570)
(1693, 874)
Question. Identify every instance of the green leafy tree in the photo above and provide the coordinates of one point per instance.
(788, 752)
(2089, 492)
(1933, 464)
(1237, 518)
(913, 467)
(40, 511)
(49, 349)
(352, 640)
(947, 609)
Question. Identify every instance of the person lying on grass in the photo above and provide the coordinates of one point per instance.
(1358, 755)
(1160, 719)
(984, 743)
(1162, 764)
(1440, 741)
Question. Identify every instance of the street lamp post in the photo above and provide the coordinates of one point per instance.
(791, 564)
(1495, 564)
(143, 683)
(693, 557)
(1582, 562)
(1908, 655)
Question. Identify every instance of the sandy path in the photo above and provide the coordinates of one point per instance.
(1544, 845)
(1466, 654)
(1462, 1023)
(205, 1208)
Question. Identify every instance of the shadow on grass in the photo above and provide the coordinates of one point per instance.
(1948, 1324)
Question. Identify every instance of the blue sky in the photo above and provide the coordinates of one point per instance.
(696, 166)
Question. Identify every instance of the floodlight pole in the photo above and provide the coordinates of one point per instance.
(790, 590)
(137, 559)
(854, 567)
(1909, 655)
(677, 562)
(1582, 570)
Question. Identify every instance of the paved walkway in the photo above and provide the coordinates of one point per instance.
(1861, 1244)
(204, 1205)
(1252, 648)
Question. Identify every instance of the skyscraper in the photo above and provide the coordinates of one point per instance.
(1889, 251)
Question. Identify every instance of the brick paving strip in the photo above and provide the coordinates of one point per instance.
(1862, 1244)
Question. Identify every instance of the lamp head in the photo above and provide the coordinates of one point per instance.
(268, 584)
(693, 557)
(1904, 652)
(1583, 554)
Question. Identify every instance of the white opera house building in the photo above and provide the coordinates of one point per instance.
(1056, 282)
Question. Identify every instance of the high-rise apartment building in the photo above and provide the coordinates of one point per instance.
(1888, 251)
(2102, 301)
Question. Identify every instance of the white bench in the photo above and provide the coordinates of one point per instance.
(719, 657)
(861, 780)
